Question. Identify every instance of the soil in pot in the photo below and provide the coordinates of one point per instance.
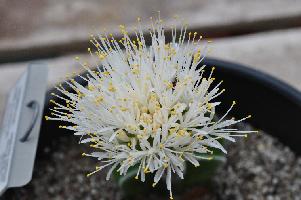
(258, 167)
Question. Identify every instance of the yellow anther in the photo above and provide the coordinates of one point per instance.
(169, 85)
(99, 99)
(106, 73)
(144, 109)
(76, 58)
(209, 106)
(233, 103)
(135, 70)
(90, 174)
(200, 137)
(101, 57)
(172, 130)
(146, 170)
(181, 132)
(181, 156)
(136, 177)
(46, 117)
(91, 87)
(123, 109)
(173, 112)
(111, 88)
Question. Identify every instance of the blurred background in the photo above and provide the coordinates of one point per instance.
(262, 34)
(265, 35)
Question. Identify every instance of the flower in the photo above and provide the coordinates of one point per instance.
(150, 107)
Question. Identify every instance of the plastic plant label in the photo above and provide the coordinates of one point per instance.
(20, 127)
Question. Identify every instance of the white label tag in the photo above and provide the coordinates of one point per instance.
(20, 129)
(9, 129)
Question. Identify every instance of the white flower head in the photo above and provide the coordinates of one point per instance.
(149, 107)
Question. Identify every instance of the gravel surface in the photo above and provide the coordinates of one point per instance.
(258, 167)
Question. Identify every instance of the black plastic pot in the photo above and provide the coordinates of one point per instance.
(274, 105)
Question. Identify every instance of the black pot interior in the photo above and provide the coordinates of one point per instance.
(275, 106)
